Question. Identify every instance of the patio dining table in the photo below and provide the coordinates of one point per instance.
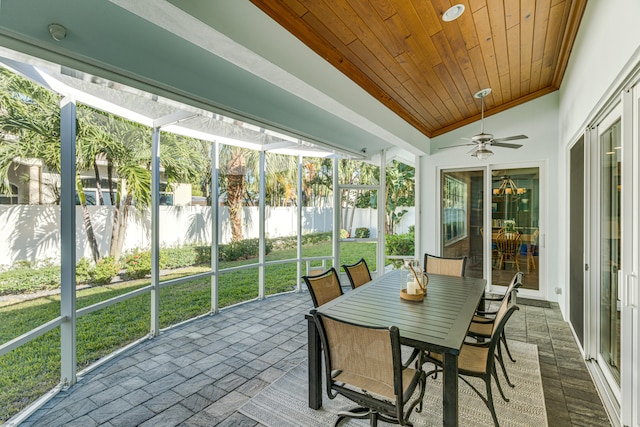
(439, 323)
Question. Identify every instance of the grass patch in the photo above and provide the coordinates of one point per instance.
(31, 370)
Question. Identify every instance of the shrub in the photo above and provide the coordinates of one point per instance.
(312, 238)
(171, 258)
(400, 244)
(84, 270)
(137, 265)
(362, 233)
(344, 234)
(202, 255)
(25, 280)
(106, 269)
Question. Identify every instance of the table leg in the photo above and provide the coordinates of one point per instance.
(450, 390)
(315, 365)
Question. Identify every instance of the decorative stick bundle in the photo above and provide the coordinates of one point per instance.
(421, 279)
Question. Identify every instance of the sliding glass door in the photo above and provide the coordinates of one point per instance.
(609, 190)
(462, 218)
(515, 226)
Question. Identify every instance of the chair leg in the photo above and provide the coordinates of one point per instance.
(495, 375)
(357, 412)
(489, 400)
(506, 346)
(504, 370)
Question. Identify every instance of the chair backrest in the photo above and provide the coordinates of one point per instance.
(368, 358)
(323, 287)
(512, 289)
(447, 266)
(509, 242)
(534, 237)
(506, 306)
(358, 273)
(503, 315)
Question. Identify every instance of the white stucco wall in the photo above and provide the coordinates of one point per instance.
(606, 47)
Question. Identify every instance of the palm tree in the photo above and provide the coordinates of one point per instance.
(30, 114)
(399, 192)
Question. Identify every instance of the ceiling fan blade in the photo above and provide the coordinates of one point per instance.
(473, 150)
(452, 146)
(511, 138)
(505, 145)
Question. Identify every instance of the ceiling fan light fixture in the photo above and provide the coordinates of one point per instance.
(482, 153)
(453, 13)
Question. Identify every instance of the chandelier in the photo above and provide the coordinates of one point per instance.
(508, 187)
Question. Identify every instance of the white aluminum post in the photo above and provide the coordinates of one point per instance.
(417, 189)
(155, 233)
(336, 215)
(68, 241)
(299, 227)
(215, 229)
(382, 209)
(261, 226)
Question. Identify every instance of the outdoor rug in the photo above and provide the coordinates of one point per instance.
(284, 403)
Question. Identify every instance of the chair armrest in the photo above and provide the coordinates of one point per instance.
(484, 313)
(492, 299)
(411, 358)
(483, 321)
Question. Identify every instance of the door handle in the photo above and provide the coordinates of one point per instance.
(630, 290)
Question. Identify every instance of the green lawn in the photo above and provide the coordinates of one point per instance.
(31, 370)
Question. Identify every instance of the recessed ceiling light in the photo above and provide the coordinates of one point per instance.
(453, 12)
(57, 31)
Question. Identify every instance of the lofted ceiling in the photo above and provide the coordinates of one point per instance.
(427, 70)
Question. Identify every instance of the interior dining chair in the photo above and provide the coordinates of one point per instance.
(363, 364)
(532, 247)
(447, 266)
(494, 246)
(357, 273)
(478, 359)
(481, 326)
(509, 248)
(323, 287)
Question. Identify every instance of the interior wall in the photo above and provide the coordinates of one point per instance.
(606, 45)
(538, 119)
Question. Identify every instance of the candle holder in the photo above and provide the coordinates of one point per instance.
(416, 281)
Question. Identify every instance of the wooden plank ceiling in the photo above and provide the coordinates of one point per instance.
(427, 70)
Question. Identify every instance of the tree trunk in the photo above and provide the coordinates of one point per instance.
(353, 212)
(236, 169)
(86, 221)
(118, 224)
(96, 171)
(235, 185)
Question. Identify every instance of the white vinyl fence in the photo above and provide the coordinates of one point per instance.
(32, 232)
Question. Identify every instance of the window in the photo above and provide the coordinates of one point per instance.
(454, 210)
(10, 199)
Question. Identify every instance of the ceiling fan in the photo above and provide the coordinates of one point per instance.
(483, 141)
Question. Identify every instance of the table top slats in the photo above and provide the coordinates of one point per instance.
(438, 323)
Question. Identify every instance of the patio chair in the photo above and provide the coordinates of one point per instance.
(447, 266)
(478, 359)
(364, 365)
(323, 287)
(482, 323)
(357, 273)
